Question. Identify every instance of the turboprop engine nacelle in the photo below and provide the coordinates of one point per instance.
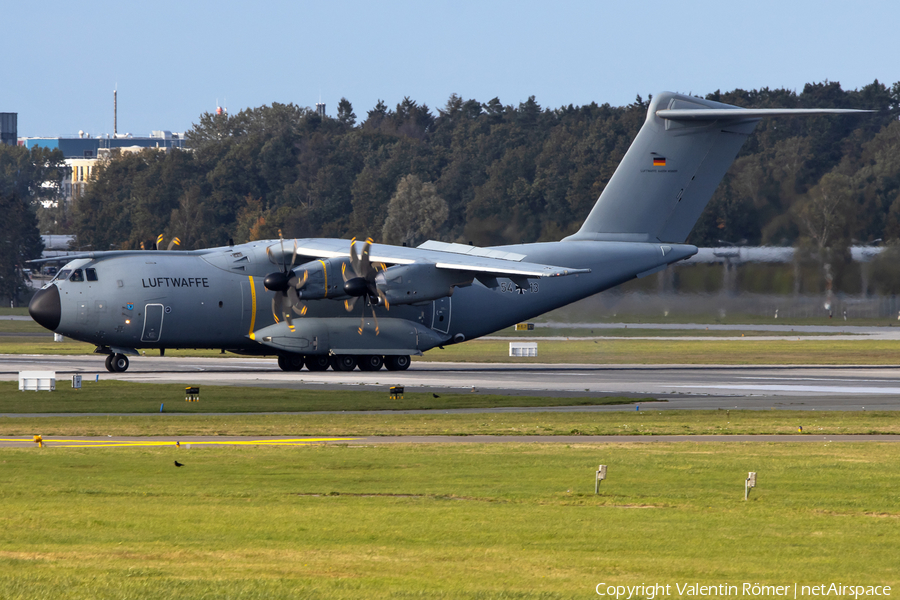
(419, 282)
(323, 279)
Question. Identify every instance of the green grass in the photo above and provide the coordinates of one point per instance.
(577, 314)
(110, 396)
(441, 521)
(724, 352)
(582, 332)
(646, 422)
(7, 326)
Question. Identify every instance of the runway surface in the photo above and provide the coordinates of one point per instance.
(683, 387)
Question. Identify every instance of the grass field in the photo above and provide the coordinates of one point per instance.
(479, 521)
(581, 332)
(646, 422)
(110, 396)
(350, 416)
(442, 521)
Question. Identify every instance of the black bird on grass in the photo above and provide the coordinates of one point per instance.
(178, 464)
(435, 395)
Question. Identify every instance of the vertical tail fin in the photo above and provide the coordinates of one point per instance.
(672, 168)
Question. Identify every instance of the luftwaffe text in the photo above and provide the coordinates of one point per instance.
(188, 282)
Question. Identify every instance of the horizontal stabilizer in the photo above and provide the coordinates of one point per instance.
(710, 114)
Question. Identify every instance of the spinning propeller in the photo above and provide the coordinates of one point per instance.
(286, 283)
(359, 280)
(362, 283)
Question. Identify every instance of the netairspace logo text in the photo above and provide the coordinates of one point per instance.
(649, 591)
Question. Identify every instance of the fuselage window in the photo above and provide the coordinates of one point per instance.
(77, 275)
(91, 274)
(61, 275)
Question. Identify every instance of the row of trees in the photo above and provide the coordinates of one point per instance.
(27, 177)
(492, 174)
(482, 172)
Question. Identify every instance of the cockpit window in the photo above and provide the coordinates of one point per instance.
(77, 275)
(61, 275)
(91, 274)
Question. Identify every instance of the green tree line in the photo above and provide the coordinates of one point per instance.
(27, 177)
(492, 174)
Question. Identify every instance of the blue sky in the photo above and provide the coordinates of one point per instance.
(173, 60)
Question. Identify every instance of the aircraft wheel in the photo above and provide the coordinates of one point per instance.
(370, 362)
(290, 362)
(397, 363)
(120, 363)
(109, 363)
(317, 362)
(344, 362)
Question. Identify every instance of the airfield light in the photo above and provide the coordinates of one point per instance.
(749, 483)
(128, 321)
(601, 475)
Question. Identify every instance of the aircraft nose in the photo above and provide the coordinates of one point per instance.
(45, 308)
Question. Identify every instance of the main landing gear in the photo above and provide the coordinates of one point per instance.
(116, 363)
(342, 362)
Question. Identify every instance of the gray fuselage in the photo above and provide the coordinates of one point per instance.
(216, 299)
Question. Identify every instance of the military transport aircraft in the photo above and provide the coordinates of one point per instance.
(345, 303)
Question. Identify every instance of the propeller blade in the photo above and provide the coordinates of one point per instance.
(287, 313)
(175, 242)
(362, 320)
(384, 300)
(354, 257)
(350, 303)
(344, 268)
(364, 264)
(293, 256)
(159, 241)
(375, 318)
(293, 298)
(282, 311)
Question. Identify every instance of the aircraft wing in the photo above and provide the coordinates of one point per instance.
(442, 255)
